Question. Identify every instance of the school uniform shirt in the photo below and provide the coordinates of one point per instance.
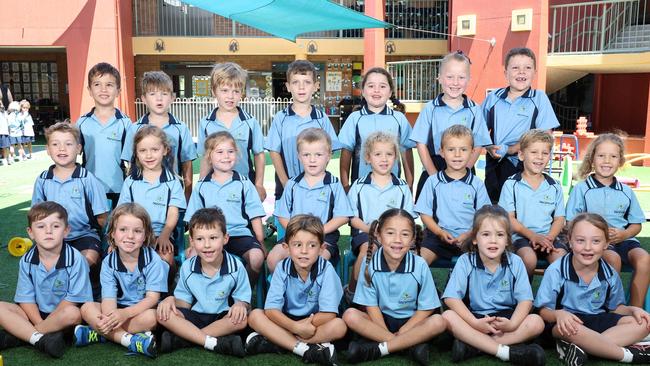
(452, 202)
(533, 208)
(28, 124)
(616, 203)
(246, 131)
(485, 292)
(130, 287)
(15, 124)
(362, 123)
(4, 125)
(286, 126)
(211, 295)
(562, 288)
(102, 147)
(369, 201)
(67, 281)
(82, 195)
(508, 120)
(321, 292)
(437, 116)
(155, 197)
(325, 200)
(237, 198)
(401, 293)
(178, 135)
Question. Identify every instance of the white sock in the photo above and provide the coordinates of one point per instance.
(126, 339)
(627, 355)
(503, 353)
(35, 337)
(210, 343)
(300, 348)
(383, 348)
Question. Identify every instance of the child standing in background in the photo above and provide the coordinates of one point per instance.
(28, 127)
(15, 123)
(4, 138)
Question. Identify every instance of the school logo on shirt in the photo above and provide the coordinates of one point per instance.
(468, 200)
(140, 286)
(311, 295)
(160, 201)
(221, 295)
(547, 200)
(58, 286)
(405, 298)
(620, 209)
(76, 193)
(596, 296)
(233, 197)
(322, 196)
(113, 136)
(392, 203)
(504, 285)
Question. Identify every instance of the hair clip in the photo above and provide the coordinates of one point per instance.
(461, 53)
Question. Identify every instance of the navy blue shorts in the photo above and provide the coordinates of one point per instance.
(525, 243)
(599, 322)
(357, 241)
(500, 314)
(44, 315)
(28, 139)
(295, 318)
(394, 324)
(238, 245)
(114, 198)
(86, 242)
(332, 240)
(623, 249)
(15, 140)
(201, 320)
(441, 249)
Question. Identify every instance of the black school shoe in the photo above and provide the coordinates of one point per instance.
(52, 344)
(461, 351)
(322, 354)
(640, 353)
(257, 343)
(170, 342)
(419, 353)
(363, 351)
(230, 345)
(527, 354)
(8, 340)
(570, 354)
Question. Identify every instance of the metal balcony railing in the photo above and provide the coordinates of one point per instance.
(415, 81)
(600, 27)
(177, 19)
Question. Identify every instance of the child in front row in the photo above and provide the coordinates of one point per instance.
(300, 314)
(133, 277)
(236, 196)
(535, 203)
(489, 296)
(200, 311)
(603, 194)
(374, 193)
(398, 292)
(316, 192)
(582, 298)
(52, 283)
(450, 198)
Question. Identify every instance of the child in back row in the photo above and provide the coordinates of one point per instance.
(489, 296)
(374, 193)
(133, 277)
(603, 194)
(535, 203)
(398, 293)
(28, 127)
(300, 314)
(451, 107)
(158, 95)
(15, 123)
(235, 195)
(450, 198)
(52, 283)
(315, 191)
(212, 298)
(377, 88)
(228, 81)
(582, 298)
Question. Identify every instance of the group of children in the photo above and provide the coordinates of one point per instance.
(143, 170)
(16, 132)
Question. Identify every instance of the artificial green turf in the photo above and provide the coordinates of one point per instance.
(16, 184)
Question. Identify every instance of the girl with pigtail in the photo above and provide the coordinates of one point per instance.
(398, 293)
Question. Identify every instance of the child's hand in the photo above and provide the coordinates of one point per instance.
(484, 325)
(304, 329)
(261, 191)
(446, 237)
(541, 242)
(163, 244)
(493, 151)
(460, 239)
(103, 326)
(641, 316)
(166, 308)
(504, 325)
(615, 235)
(567, 323)
(238, 312)
(116, 318)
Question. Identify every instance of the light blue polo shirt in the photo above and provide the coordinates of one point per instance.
(286, 126)
(210, 295)
(67, 281)
(247, 133)
(325, 200)
(155, 197)
(237, 198)
(452, 202)
(369, 201)
(401, 293)
(508, 120)
(485, 292)
(82, 195)
(616, 203)
(102, 147)
(321, 292)
(562, 288)
(130, 287)
(178, 135)
(533, 208)
(437, 116)
(360, 124)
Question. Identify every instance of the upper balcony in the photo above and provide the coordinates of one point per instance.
(173, 18)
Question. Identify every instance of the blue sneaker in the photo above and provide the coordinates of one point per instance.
(85, 335)
(144, 344)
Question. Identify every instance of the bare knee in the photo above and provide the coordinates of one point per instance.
(92, 257)
(255, 316)
(534, 323)
(436, 323)
(69, 315)
(338, 328)
(351, 317)
(255, 259)
(613, 259)
(148, 319)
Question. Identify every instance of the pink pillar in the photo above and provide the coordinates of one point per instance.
(646, 140)
(373, 39)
